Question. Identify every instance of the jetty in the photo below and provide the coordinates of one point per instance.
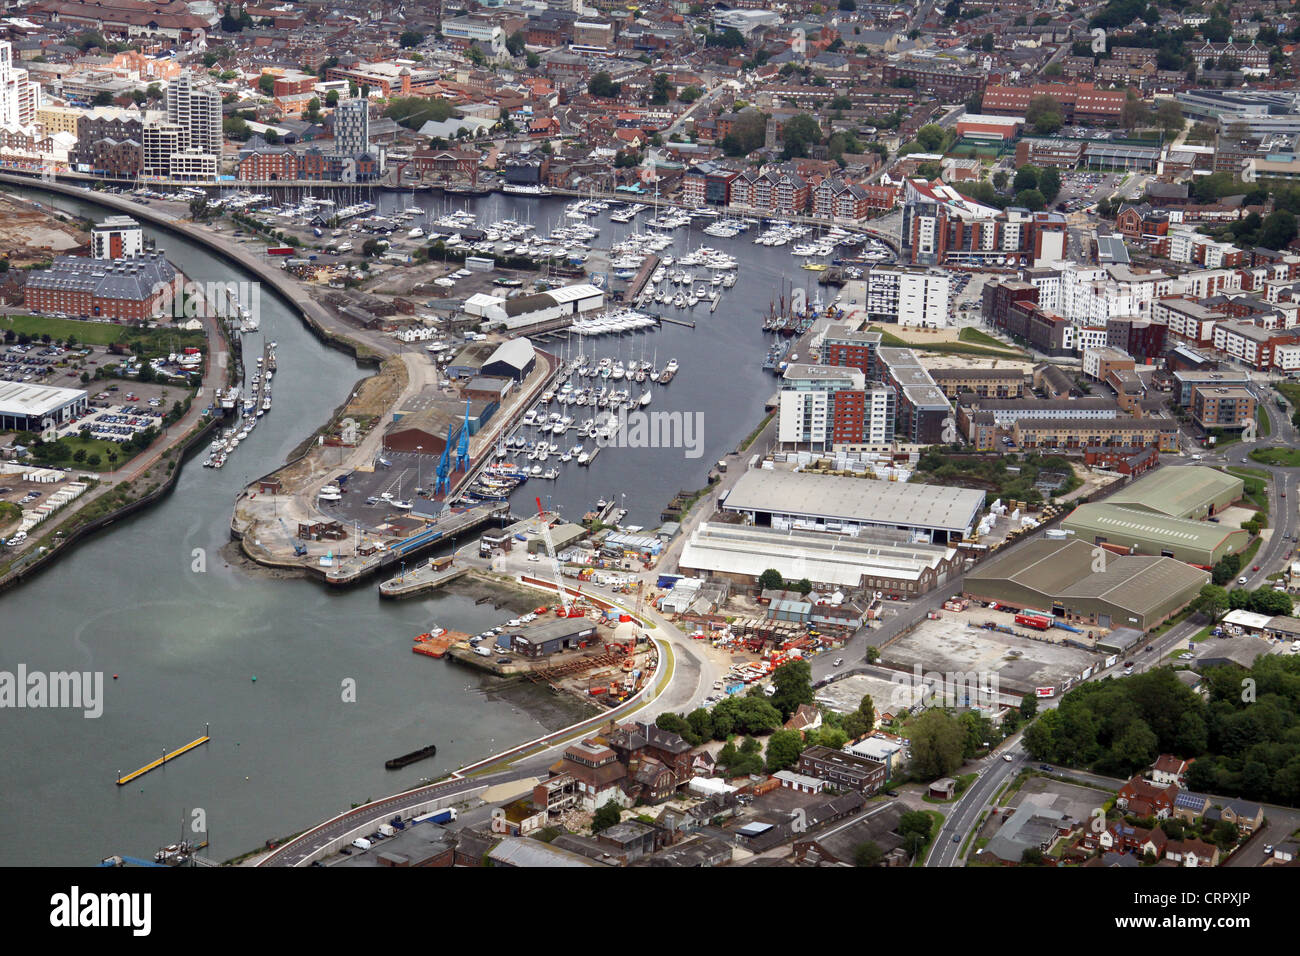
(428, 576)
(155, 764)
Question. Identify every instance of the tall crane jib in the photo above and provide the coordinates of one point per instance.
(555, 562)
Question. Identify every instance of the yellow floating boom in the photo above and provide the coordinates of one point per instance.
(155, 764)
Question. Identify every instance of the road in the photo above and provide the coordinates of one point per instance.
(962, 817)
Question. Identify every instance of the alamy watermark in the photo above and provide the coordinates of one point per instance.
(978, 689)
(75, 690)
(217, 298)
(643, 429)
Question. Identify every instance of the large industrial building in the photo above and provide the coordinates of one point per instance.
(1184, 492)
(1142, 532)
(1067, 579)
(26, 407)
(522, 311)
(873, 560)
(801, 502)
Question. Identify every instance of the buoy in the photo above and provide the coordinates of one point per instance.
(254, 678)
(114, 677)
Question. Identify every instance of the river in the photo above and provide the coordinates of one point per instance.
(266, 662)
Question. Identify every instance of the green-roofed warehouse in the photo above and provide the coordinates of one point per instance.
(1145, 532)
(1190, 491)
(1076, 585)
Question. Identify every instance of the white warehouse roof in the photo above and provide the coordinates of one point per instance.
(17, 398)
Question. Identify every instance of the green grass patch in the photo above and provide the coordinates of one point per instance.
(1265, 424)
(887, 338)
(991, 473)
(1286, 457)
(1248, 555)
(156, 342)
(975, 336)
(753, 436)
(934, 835)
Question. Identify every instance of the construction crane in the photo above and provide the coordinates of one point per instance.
(299, 549)
(462, 447)
(568, 610)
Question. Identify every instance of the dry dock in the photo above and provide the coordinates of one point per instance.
(432, 574)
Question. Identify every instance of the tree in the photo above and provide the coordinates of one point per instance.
(660, 90)
(1044, 114)
(1000, 180)
(1278, 230)
(533, 61)
(266, 83)
(1053, 70)
(1169, 116)
(1029, 706)
(938, 744)
(1026, 178)
(603, 86)
(793, 683)
(606, 816)
(986, 43)
(1212, 602)
(783, 749)
(515, 43)
(730, 39)
(916, 828)
(798, 134)
(410, 39)
(869, 853)
(102, 98)
(1032, 856)
(332, 98)
(1031, 199)
(771, 580)
(1049, 184)
(1270, 602)
(873, 653)
(848, 5)
(930, 136)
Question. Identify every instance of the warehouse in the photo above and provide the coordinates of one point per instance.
(548, 637)
(1183, 492)
(26, 407)
(514, 360)
(1067, 579)
(794, 501)
(741, 554)
(1142, 532)
(525, 310)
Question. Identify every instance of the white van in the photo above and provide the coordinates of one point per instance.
(483, 651)
(361, 843)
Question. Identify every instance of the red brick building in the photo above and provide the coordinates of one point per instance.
(124, 289)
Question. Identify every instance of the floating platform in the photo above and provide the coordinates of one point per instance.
(155, 764)
(424, 753)
(437, 647)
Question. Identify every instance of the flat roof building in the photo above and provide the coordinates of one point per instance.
(741, 553)
(25, 407)
(801, 502)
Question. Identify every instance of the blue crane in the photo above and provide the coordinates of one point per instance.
(462, 447)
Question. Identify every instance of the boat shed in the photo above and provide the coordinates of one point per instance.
(514, 359)
(548, 637)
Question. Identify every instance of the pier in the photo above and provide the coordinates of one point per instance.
(689, 323)
(155, 764)
(643, 274)
(434, 573)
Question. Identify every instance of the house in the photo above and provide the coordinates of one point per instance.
(1168, 770)
(1144, 799)
(1245, 815)
(807, 717)
(1192, 853)
(589, 775)
(703, 764)
(629, 841)
(657, 761)
(1189, 807)
(1286, 852)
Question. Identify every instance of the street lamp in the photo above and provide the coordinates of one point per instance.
(419, 462)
